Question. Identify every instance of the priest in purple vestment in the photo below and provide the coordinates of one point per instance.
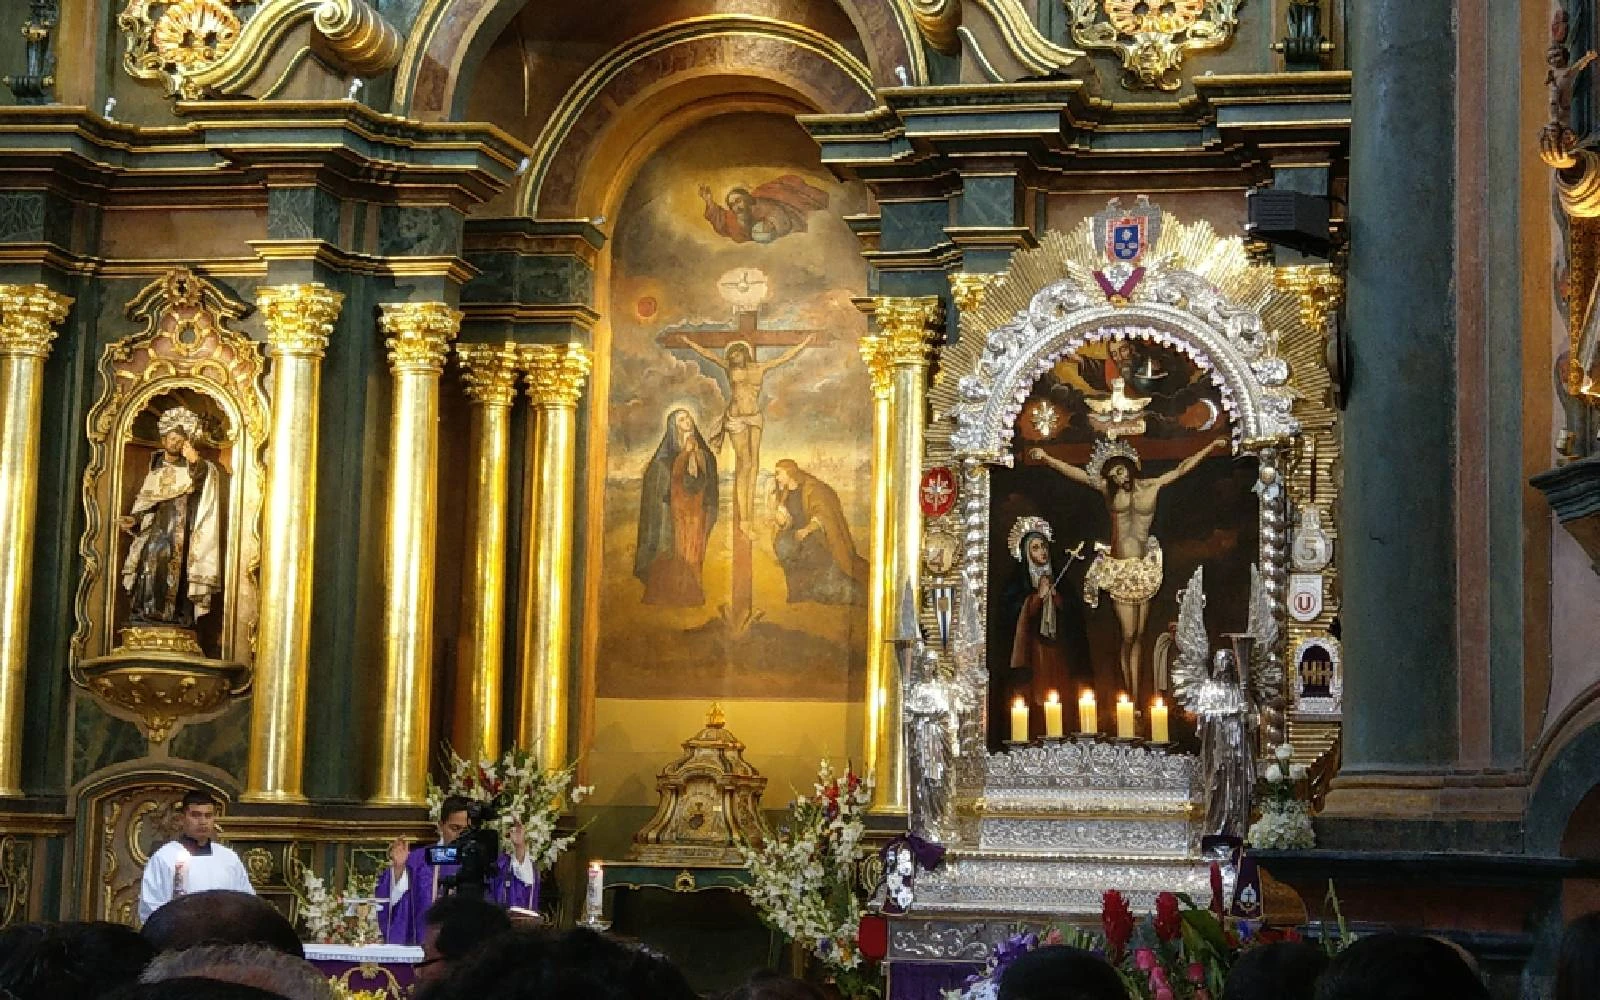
(410, 885)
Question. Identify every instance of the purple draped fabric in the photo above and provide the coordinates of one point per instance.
(402, 921)
(927, 980)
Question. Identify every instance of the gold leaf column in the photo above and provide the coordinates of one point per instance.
(299, 319)
(418, 336)
(555, 381)
(28, 317)
(490, 373)
(909, 327)
(880, 735)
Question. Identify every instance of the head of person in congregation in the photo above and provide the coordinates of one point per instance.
(246, 965)
(410, 883)
(769, 985)
(541, 964)
(1282, 970)
(1400, 967)
(1060, 973)
(194, 988)
(218, 916)
(71, 961)
(1578, 965)
(194, 862)
(456, 927)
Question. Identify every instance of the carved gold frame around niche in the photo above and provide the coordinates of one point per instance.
(187, 344)
(1245, 324)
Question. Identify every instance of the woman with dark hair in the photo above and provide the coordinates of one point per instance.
(1578, 967)
(677, 508)
(1400, 967)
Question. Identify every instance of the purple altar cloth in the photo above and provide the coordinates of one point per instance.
(925, 980)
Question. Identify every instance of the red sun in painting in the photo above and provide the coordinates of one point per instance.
(646, 307)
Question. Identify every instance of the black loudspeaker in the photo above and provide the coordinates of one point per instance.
(1289, 219)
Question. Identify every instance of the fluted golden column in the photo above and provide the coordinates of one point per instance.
(879, 738)
(299, 319)
(908, 328)
(28, 317)
(419, 334)
(490, 373)
(555, 381)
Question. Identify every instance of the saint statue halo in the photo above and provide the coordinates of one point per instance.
(1024, 527)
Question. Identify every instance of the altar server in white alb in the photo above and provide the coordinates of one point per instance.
(193, 862)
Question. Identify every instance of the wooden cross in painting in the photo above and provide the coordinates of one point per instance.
(742, 422)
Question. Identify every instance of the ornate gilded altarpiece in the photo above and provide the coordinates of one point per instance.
(187, 361)
(1045, 826)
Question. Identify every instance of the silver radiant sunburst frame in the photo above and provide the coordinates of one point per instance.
(1043, 831)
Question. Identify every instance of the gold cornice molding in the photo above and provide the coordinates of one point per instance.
(578, 97)
(578, 316)
(555, 373)
(418, 335)
(490, 371)
(299, 318)
(29, 315)
(450, 267)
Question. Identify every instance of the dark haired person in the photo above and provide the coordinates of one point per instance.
(1060, 973)
(193, 862)
(72, 961)
(456, 927)
(409, 885)
(1400, 967)
(1282, 970)
(541, 965)
(221, 916)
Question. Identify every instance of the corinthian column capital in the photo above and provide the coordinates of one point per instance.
(28, 318)
(490, 372)
(555, 372)
(909, 326)
(418, 335)
(1318, 287)
(880, 365)
(299, 318)
(967, 289)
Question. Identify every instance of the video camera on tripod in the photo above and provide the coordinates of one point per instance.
(476, 851)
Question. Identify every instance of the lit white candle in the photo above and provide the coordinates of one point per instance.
(595, 901)
(1158, 722)
(1088, 721)
(1052, 715)
(1019, 721)
(1124, 717)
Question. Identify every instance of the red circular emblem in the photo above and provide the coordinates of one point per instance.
(937, 492)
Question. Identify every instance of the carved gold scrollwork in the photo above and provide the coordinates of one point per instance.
(1152, 38)
(16, 867)
(202, 47)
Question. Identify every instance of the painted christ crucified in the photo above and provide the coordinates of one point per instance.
(1130, 567)
(743, 420)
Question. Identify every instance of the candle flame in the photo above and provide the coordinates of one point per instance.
(1019, 703)
(1052, 699)
(1122, 699)
(1159, 702)
(1088, 695)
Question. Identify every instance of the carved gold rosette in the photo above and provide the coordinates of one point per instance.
(188, 355)
(1152, 38)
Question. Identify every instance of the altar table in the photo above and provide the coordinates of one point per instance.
(387, 968)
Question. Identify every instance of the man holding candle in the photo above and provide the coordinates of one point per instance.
(410, 884)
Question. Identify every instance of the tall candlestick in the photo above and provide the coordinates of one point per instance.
(594, 903)
(1052, 715)
(1124, 718)
(1158, 722)
(1088, 722)
(1019, 721)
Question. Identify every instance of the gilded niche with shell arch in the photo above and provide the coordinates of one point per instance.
(189, 371)
(1244, 327)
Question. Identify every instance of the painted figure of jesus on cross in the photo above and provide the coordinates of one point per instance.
(743, 421)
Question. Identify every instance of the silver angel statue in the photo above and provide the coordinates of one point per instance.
(931, 742)
(1228, 691)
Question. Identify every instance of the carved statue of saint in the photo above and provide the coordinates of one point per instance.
(1227, 742)
(931, 734)
(174, 564)
(1557, 143)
